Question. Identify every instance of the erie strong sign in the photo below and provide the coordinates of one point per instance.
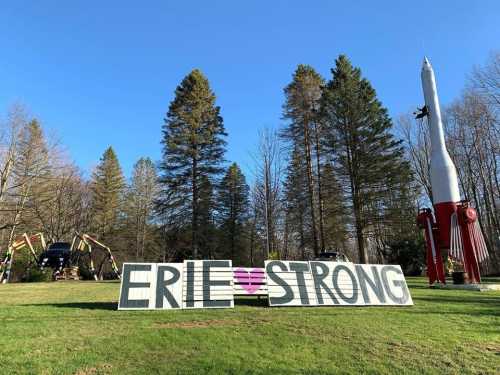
(196, 284)
(317, 283)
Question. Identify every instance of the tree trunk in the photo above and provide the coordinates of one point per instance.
(320, 190)
(363, 256)
(194, 217)
(252, 236)
(285, 239)
(310, 187)
(302, 240)
(268, 208)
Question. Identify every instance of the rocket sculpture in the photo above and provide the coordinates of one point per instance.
(454, 227)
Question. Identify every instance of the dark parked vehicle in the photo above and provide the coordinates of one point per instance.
(56, 256)
(332, 256)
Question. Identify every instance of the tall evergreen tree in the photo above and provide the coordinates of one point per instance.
(107, 189)
(367, 157)
(206, 218)
(193, 150)
(141, 195)
(233, 209)
(336, 215)
(300, 109)
(296, 203)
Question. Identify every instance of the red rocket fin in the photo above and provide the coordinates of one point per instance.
(435, 269)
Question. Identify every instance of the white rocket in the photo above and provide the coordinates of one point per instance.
(453, 227)
(443, 174)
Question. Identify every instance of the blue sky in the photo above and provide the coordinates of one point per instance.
(100, 73)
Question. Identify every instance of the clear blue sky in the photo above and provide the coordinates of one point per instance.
(101, 73)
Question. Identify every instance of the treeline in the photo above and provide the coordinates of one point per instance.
(43, 191)
(333, 177)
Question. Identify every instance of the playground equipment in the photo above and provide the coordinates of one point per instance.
(63, 258)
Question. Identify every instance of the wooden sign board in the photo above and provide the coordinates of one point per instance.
(192, 284)
(318, 283)
(249, 281)
(208, 283)
(214, 283)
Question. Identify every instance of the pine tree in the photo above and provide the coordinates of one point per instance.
(367, 157)
(301, 107)
(107, 189)
(207, 226)
(193, 150)
(141, 195)
(233, 209)
(296, 203)
(336, 215)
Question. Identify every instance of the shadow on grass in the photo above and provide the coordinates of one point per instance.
(466, 305)
(492, 301)
(238, 301)
(417, 286)
(251, 301)
(82, 305)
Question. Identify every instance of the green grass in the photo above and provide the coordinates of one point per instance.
(74, 328)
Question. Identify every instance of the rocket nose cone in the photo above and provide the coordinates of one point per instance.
(426, 65)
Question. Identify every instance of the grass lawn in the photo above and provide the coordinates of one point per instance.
(74, 328)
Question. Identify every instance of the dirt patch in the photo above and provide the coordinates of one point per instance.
(495, 348)
(199, 324)
(101, 369)
(491, 347)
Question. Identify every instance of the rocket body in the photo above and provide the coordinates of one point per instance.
(443, 173)
(453, 228)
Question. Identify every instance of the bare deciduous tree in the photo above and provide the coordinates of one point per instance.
(268, 175)
(416, 136)
(474, 138)
(485, 80)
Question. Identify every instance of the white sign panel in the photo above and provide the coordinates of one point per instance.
(208, 283)
(136, 292)
(290, 283)
(192, 284)
(168, 286)
(318, 283)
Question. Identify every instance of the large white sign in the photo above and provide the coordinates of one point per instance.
(192, 284)
(318, 283)
(214, 283)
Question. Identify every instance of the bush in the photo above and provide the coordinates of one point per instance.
(273, 255)
(34, 275)
(24, 269)
(409, 253)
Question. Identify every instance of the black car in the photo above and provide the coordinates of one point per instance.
(332, 256)
(56, 256)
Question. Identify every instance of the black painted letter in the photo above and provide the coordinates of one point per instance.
(288, 296)
(125, 302)
(352, 299)
(375, 283)
(299, 269)
(398, 283)
(207, 283)
(161, 286)
(319, 284)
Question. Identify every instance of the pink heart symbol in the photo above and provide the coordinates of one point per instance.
(251, 281)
